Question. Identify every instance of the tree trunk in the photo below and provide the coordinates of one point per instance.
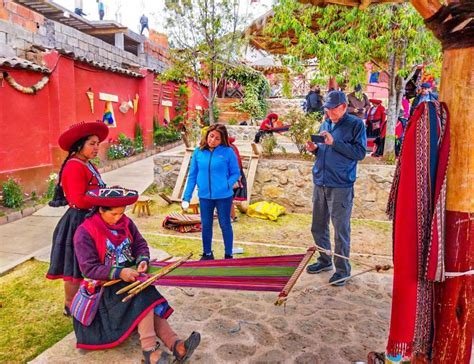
(211, 96)
(454, 299)
(392, 111)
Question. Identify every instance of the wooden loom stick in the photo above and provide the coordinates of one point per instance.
(282, 297)
(163, 271)
(112, 282)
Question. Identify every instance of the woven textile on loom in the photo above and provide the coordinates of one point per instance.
(188, 223)
(249, 274)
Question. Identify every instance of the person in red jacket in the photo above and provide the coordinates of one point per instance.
(266, 127)
(76, 176)
(375, 118)
(240, 191)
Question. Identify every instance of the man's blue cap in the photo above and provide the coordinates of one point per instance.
(358, 87)
(426, 85)
(334, 99)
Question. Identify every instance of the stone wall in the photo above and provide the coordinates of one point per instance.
(289, 183)
(246, 132)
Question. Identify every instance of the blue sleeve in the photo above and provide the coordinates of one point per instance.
(234, 170)
(192, 177)
(356, 148)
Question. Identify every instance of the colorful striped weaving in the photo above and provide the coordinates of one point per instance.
(251, 274)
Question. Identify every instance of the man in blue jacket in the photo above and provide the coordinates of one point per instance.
(334, 174)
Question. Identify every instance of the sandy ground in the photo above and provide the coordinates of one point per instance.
(327, 325)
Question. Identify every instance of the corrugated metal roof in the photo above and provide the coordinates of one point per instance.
(20, 63)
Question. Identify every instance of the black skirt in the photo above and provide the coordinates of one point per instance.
(240, 193)
(63, 259)
(115, 320)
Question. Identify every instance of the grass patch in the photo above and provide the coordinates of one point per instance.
(382, 226)
(31, 317)
(179, 247)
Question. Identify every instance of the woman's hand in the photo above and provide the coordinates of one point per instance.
(142, 267)
(129, 275)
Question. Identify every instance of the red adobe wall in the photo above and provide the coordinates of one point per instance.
(31, 124)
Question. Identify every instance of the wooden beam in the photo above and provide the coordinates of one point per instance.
(105, 31)
(426, 8)
(180, 181)
(364, 4)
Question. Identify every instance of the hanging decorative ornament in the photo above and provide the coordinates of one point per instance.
(124, 107)
(90, 96)
(135, 104)
(109, 118)
(31, 90)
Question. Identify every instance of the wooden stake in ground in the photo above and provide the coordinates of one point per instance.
(283, 296)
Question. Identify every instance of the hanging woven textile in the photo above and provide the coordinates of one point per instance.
(417, 206)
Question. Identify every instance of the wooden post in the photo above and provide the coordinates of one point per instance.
(454, 298)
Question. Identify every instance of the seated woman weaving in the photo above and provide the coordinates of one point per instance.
(269, 125)
(108, 245)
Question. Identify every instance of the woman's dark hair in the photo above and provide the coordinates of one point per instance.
(58, 197)
(222, 131)
(95, 209)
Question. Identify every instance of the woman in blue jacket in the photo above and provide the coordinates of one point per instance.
(215, 170)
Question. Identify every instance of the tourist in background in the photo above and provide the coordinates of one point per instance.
(334, 174)
(358, 103)
(424, 94)
(101, 8)
(215, 171)
(314, 100)
(143, 23)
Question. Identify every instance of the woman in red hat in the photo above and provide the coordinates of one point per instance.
(266, 127)
(76, 176)
(108, 247)
(375, 118)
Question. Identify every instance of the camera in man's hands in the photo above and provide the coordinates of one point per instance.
(318, 139)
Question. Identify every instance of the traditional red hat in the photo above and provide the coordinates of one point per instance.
(80, 130)
(272, 116)
(111, 197)
(375, 101)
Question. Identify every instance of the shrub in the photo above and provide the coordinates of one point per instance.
(138, 143)
(165, 135)
(96, 162)
(232, 122)
(269, 143)
(12, 193)
(121, 148)
(51, 184)
(302, 126)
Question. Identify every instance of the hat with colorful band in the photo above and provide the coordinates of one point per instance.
(111, 197)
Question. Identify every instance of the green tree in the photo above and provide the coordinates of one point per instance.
(392, 37)
(206, 35)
